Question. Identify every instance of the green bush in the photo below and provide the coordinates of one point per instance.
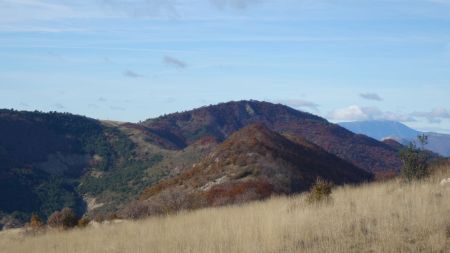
(415, 160)
(320, 191)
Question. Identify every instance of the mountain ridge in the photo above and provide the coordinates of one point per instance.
(54, 160)
(221, 120)
(252, 164)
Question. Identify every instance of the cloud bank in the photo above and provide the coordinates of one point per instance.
(436, 115)
(357, 113)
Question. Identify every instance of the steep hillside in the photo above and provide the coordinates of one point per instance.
(47, 159)
(39, 151)
(220, 121)
(251, 164)
(381, 129)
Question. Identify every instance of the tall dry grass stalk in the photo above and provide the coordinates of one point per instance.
(379, 217)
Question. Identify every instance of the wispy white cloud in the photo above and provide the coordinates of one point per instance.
(56, 56)
(20, 15)
(170, 8)
(38, 4)
(174, 62)
(143, 8)
(235, 4)
(23, 10)
(299, 103)
(436, 115)
(371, 96)
(352, 112)
(117, 108)
(93, 106)
(132, 74)
(53, 28)
(356, 113)
(108, 60)
(439, 1)
(59, 106)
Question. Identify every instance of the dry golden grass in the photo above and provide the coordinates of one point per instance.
(378, 217)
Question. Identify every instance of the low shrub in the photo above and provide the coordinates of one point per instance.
(320, 191)
(36, 222)
(415, 160)
(66, 218)
(83, 222)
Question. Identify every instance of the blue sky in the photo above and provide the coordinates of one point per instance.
(132, 60)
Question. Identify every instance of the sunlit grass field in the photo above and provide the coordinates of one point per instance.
(378, 217)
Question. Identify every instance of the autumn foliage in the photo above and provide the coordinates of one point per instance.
(66, 218)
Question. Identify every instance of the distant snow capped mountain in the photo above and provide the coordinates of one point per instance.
(384, 129)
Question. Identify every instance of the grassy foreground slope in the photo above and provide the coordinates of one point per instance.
(377, 217)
